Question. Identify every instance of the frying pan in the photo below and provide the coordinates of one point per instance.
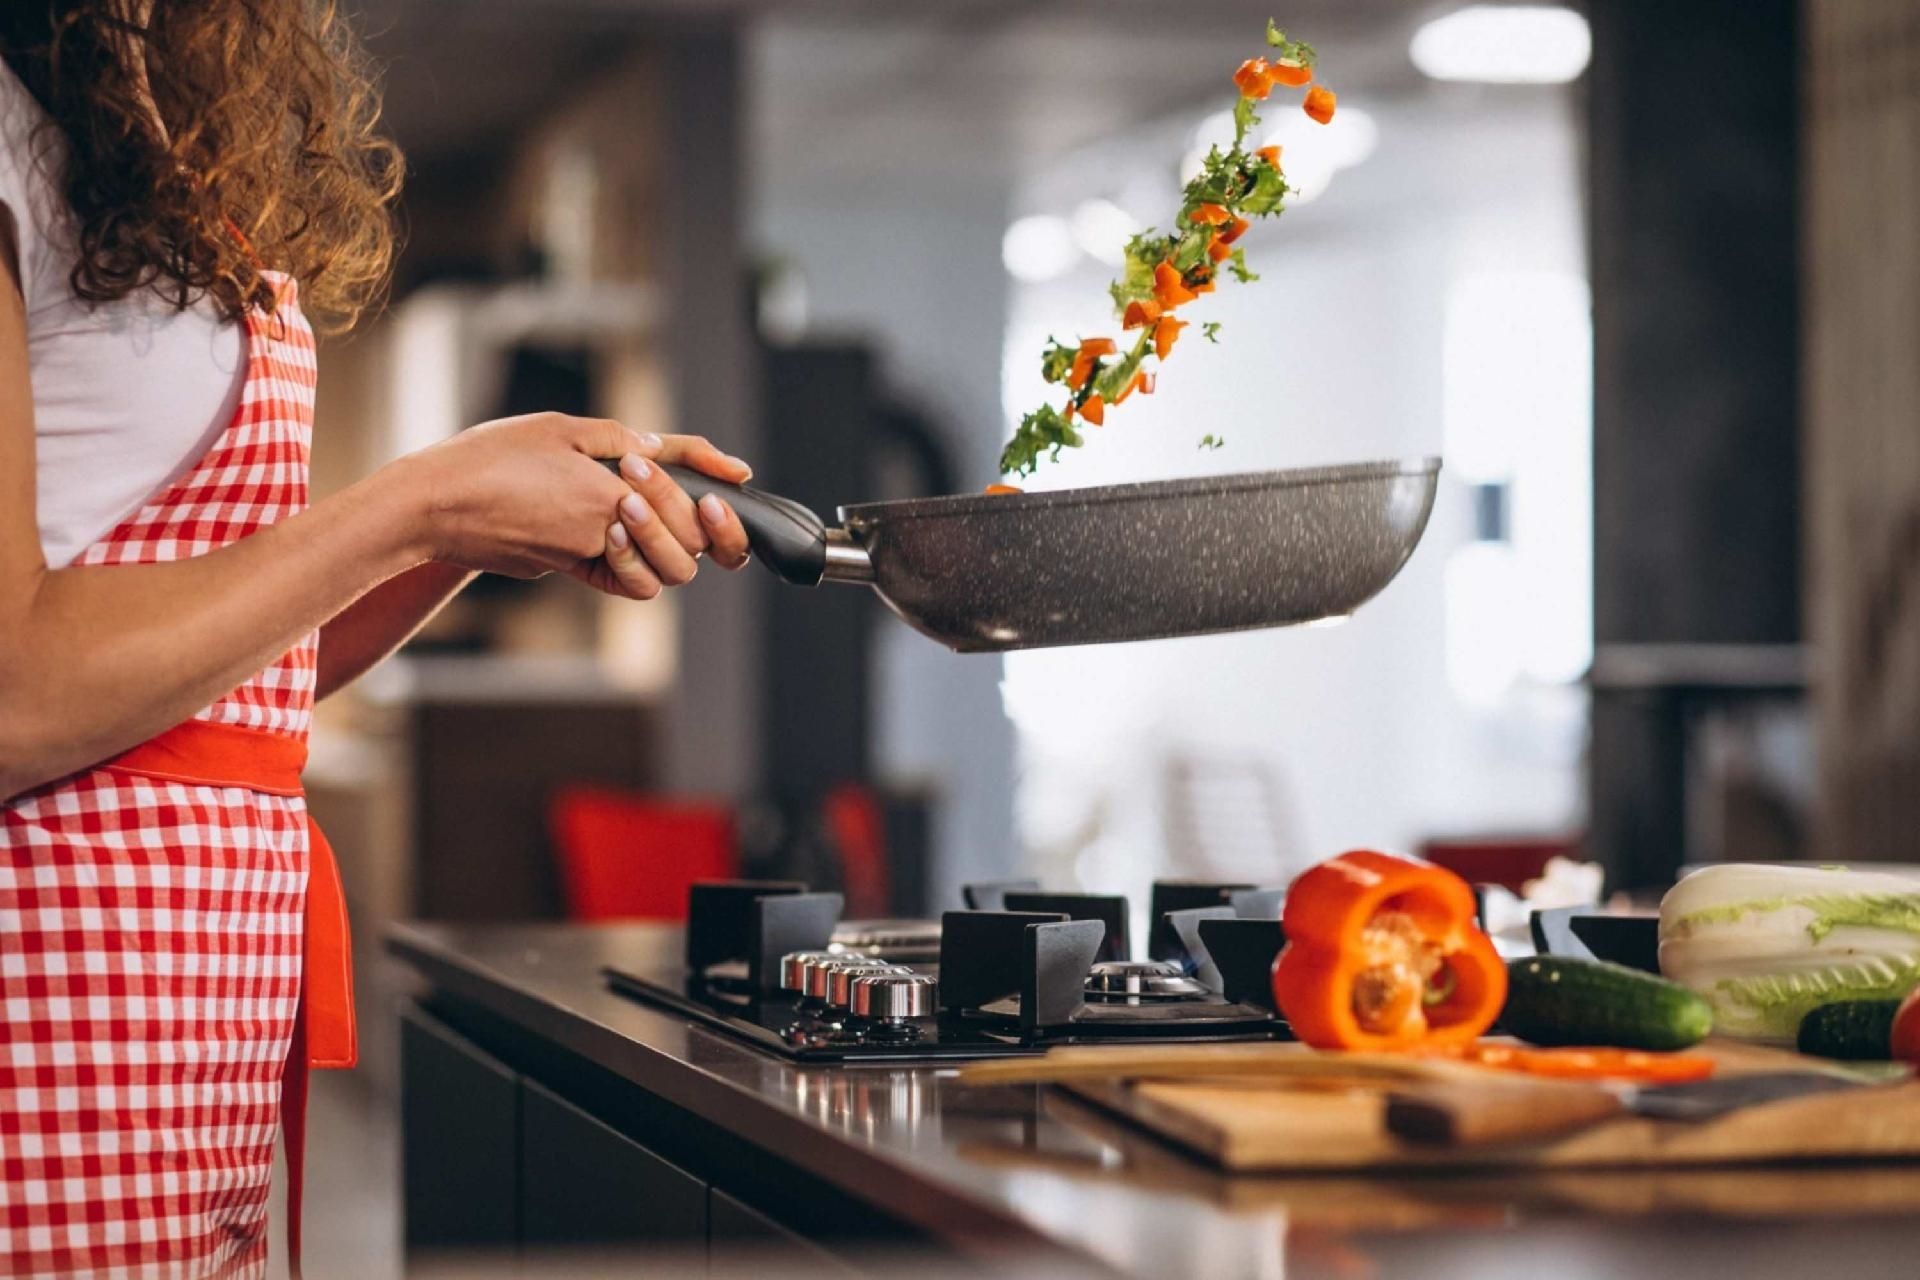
(992, 572)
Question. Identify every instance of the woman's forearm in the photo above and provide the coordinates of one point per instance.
(96, 659)
(382, 620)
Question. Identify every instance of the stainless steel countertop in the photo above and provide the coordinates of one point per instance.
(1016, 1171)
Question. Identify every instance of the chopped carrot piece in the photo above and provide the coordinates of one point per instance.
(1270, 154)
(1140, 313)
(1219, 250)
(1232, 231)
(1291, 74)
(1165, 332)
(1209, 215)
(1005, 488)
(1319, 104)
(1168, 288)
(1096, 346)
(1094, 410)
(1252, 79)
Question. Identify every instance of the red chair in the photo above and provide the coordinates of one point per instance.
(626, 856)
(857, 825)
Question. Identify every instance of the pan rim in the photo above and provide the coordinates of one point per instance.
(1427, 466)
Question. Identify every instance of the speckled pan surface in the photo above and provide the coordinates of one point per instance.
(1146, 561)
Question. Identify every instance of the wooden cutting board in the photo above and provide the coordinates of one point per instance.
(1249, 1124)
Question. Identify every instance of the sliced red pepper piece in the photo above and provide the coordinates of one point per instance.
(1166, 330)
(1096, 346)
(1141, 382)
(1353, 924)
(1209, 215)
(1081, 369)
(1252, 79)
(1290, 74)
(1320, 103)
(1219, 250)
(1233, 230)
(1169, 290)
(1140, 313)
(1598, 1063)
(1095, 410)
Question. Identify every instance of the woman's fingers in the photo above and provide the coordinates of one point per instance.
(667, 499)
(727, 541)
(631, 576)
(699, 453)
(657, 544)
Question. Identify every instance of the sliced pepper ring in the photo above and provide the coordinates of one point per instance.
(1328, 910)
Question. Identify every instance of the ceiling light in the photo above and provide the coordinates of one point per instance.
(1102, 228)
(1504, 44)
(1038, 249)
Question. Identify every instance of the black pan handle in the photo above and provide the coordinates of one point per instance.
(785, 536)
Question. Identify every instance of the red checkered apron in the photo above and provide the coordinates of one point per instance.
(151, 925)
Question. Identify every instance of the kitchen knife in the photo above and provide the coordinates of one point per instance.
(1477, 1113)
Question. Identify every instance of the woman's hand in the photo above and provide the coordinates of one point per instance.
(527, 496)
(661, 533)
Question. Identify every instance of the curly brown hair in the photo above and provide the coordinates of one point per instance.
(207, 141)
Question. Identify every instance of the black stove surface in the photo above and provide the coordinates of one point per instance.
(1007, 982)
(782, 1023)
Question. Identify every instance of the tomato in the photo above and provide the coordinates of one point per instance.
(1906, 1030)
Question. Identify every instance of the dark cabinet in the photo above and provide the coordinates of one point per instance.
(743, 1236)
(584, 1183)
(460, 1141)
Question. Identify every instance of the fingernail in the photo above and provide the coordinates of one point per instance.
(650, 440)
(712, 510)
(742, 464)
(617, 536)
(635, 467)
(635, 509)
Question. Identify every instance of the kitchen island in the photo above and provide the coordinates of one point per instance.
(542, 1109)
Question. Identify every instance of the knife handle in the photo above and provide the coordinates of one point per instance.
(1473, 1114)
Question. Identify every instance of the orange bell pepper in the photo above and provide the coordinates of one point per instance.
(1290, 74)
(1005, 488)
(1095, 410)
(1165, 331)
(1253, 79)
(1383, 953)
(1219, 250)
(1169, 290)
(1096, 346)
(1235, 229)
(1209, 215)
(1319, 104)
(1140, 313)
(1270, 154)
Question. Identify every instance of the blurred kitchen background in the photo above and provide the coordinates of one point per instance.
(1642, 272)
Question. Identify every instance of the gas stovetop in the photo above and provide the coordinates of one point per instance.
(1016, 973)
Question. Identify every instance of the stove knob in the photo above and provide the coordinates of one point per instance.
(818, 974)
(892, 997)
(841, 977)
(793, 972)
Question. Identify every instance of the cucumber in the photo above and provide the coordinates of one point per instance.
(1855, 1030)
(1557, 1000)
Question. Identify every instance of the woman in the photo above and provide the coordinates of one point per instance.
(178, 179)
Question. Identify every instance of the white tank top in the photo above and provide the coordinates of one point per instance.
(127, 395)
